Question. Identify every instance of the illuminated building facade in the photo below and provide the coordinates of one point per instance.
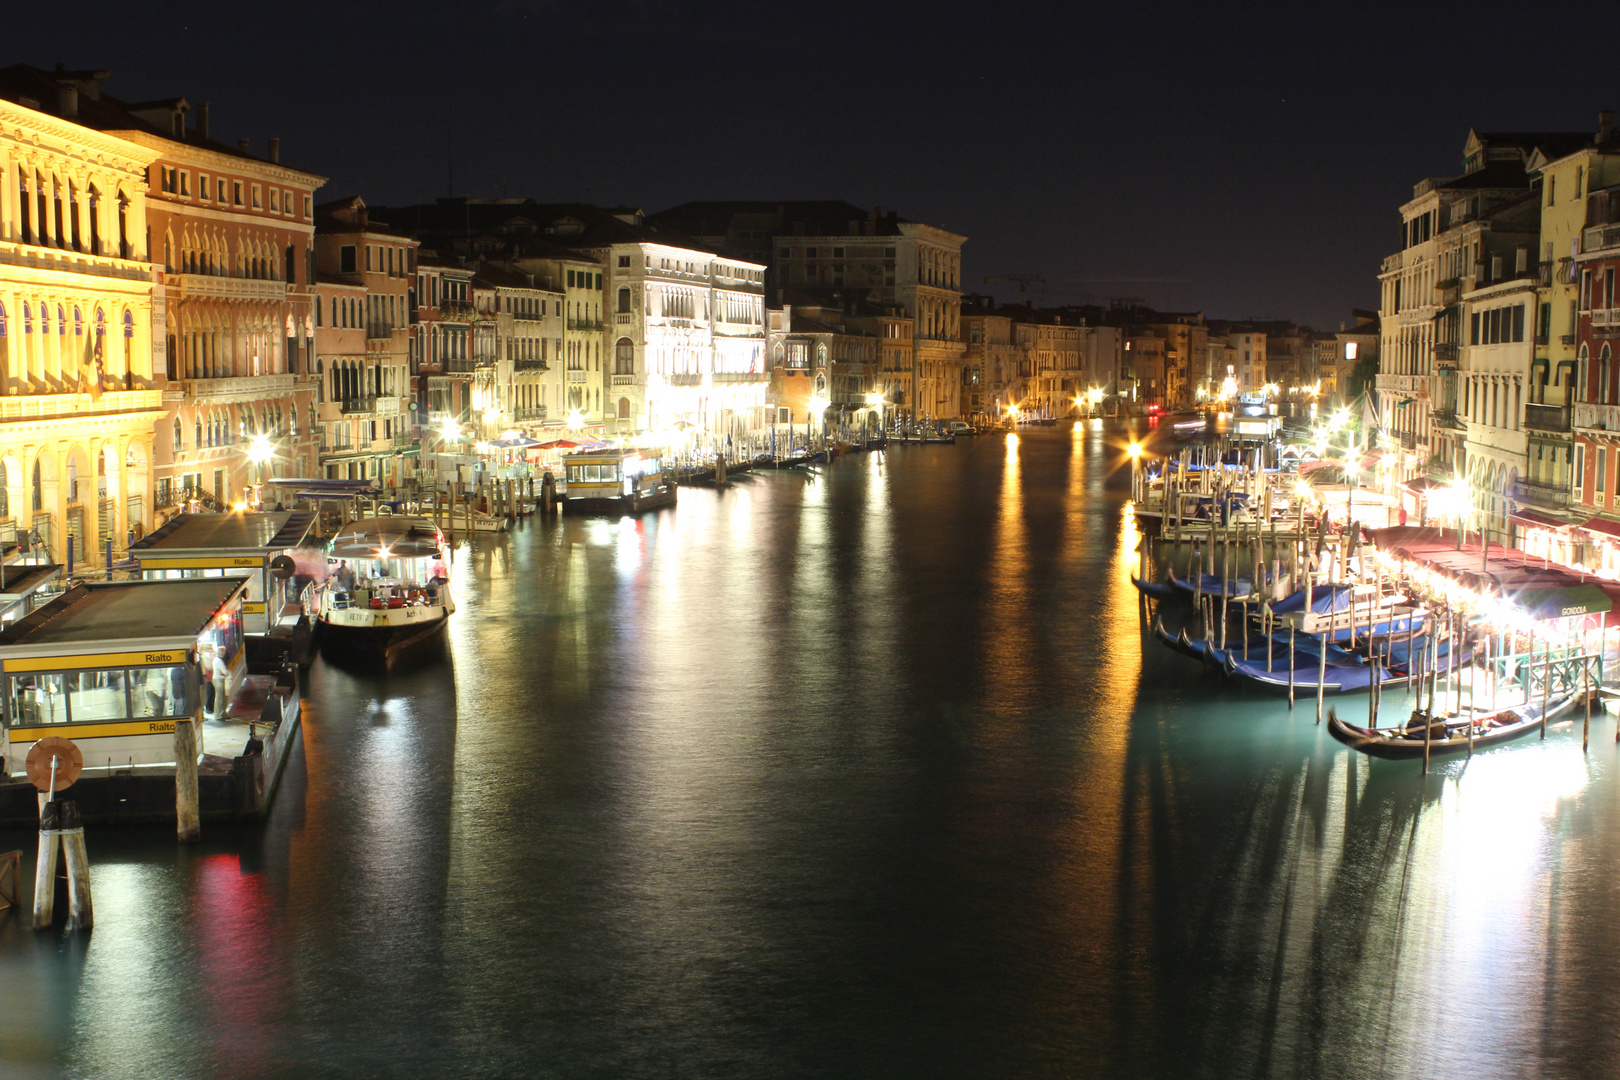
(79, 397)
(367, 409)
(847, 257)
(1493, 381)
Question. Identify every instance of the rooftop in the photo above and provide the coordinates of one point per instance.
(124, 610)
(228, 532)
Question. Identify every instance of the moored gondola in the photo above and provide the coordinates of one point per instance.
(1449, 734)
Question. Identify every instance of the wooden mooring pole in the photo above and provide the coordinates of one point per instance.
(187, 819)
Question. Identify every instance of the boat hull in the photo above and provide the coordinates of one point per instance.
(379, 631)
(1392, 747)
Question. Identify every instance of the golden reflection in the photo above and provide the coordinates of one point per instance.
(1011, 680)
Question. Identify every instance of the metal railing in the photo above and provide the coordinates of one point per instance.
(357, 404)
(1546, 417)
(1599, 237)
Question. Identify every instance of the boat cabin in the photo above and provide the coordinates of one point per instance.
(112, 665)
(240, 544)
(629, 479)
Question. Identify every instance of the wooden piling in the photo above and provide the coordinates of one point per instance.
(80, 915)
(187, 820)
(1290, 667)
(50, 837)
(1321, 672)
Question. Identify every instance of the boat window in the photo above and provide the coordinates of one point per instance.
(97, 695)
(38, 699)
(158, 691)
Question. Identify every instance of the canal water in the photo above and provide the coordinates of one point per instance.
(860, 772)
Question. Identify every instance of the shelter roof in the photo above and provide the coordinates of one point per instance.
(124, 610)
(236, 531)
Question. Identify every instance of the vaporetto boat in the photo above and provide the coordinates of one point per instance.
(387, 586)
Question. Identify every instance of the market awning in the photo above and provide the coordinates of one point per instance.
(1539, 520)
(1563, 602)
(1603, 527)
(1422, 485)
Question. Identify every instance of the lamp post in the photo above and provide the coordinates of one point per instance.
(261, 451)
(874, 402)
(818, 407)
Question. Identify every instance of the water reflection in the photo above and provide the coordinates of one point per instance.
(865, 770)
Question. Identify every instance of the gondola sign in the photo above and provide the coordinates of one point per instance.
(54, 763)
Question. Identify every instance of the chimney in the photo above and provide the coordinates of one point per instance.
(877, 212)
(242, 145)
(275, 151)
(1605, 125)
(67, 102)
(202, 120)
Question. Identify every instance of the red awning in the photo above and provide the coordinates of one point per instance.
(1603, 527)
(1540, 520)
(1420, 485)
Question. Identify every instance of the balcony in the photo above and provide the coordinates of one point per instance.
(459, 366)
(403, 441)
(357, 405)
(621, 319)
(1601, 237)
(1545, 417)
(1595, 417)
(689, 378)
(624, 380)
(577, 374)
(584, 324)
(389, 405)
(1447, 292)
(1445, 352)
(1566, 339)
(530, 365)
(1540, 493)
(741, 377)
(238, 388)
(1447, 418)
(213, 287)
(537, 412)
(35, 406)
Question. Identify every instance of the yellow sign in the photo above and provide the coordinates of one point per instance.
(95, 660)
(253, 607)
(94, 731)
(235, 562)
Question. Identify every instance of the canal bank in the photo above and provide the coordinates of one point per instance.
(957, 816)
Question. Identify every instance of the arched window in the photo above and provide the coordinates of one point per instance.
(624, 408)
(61, 321)
(199, 433)
(27, 319)
(624, 357)
(624, 301)
(78, 323)
(129, 324)
(179, 437)
(39, 489)
(1606, 365)
(2, 320)
(1583, 372)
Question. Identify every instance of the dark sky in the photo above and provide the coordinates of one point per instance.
(1258, 153)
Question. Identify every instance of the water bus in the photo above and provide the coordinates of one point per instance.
(616, 481)
(387, 586)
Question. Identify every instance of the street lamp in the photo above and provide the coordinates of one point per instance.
(874, 401)
(818, 407)
(576, 419)
(261, 451)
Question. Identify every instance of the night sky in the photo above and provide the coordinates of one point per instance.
(1258, 155)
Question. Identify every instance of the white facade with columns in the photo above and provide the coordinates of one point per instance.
(1498, 351)
(77, 397)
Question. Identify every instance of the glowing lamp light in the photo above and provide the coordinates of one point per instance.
(451, 431)
(1095, 395)
(818, 405)
(1134, 450)
(384, 553)
(261, 449)
(239, 507)
(576, 419)
(874, 400)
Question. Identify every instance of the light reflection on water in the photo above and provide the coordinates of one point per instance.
(861, 771)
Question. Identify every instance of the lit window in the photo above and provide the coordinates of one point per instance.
(203, 188)
(1350, 350)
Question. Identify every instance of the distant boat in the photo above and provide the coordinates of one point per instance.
(1449, 734)
(1210, 585)
(1157, 590)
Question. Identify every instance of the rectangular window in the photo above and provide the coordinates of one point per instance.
(38, 699)
(236, 192)
(368, 258)
(1602, 468)
(624, 261)
(570, 279)
(1586, 292)
(222, 190)
(275, 200)
(1580, 470)
(346, 255)
(185, 184)
(309, 206)
(1518, 322)
(258, 202)
(204, 188)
